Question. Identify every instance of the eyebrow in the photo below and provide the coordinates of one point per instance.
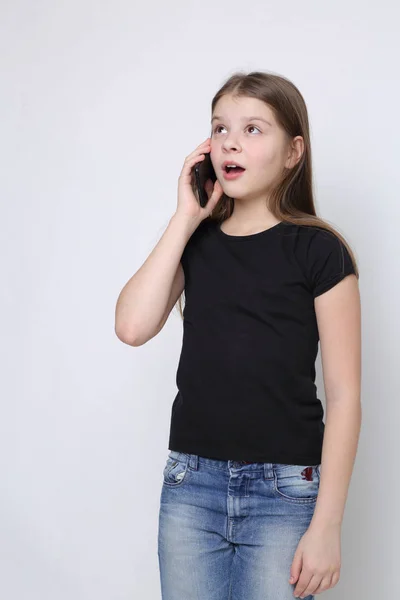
(215, 118)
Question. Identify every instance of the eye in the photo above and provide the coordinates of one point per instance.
(216, 128)
(249, 126)
(254, 127)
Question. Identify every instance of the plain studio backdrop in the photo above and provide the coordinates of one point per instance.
(100, 104)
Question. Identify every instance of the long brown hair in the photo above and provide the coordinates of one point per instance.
(292, 199)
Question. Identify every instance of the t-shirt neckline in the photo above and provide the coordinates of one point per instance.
(250, 236)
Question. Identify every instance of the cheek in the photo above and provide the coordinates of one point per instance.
(261, 154)
(263, 163)
(269, 160)
(215, 155)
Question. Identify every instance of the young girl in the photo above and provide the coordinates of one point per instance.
(255, 483)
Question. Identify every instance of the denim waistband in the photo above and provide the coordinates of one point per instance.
(195, 461)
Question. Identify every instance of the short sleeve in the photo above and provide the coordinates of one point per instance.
(328, 261)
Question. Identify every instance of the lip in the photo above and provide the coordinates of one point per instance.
(231, 162)
(232, 175)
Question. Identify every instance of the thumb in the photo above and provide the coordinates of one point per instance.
(295, 568)
(216, 193)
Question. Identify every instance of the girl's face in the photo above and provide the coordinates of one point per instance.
(245, 130)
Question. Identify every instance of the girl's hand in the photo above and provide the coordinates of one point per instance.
(188, 205)
(316, 563)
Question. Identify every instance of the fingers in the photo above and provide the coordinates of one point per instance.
(203, 147)
(196, 156)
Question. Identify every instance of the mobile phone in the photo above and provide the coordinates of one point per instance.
(203, 171)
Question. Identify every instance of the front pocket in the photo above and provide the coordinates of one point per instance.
(297, 483)
(175, 470)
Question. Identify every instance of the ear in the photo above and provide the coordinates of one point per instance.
(296, 150)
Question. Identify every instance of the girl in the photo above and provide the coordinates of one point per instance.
(255, 484)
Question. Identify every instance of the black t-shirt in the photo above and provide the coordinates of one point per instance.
(246, 373)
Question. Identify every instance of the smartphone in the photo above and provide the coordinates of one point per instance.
(202, 171)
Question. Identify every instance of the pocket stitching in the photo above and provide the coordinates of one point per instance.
(292, 498)
(168, 469)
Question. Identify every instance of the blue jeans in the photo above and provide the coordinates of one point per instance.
(228, 530)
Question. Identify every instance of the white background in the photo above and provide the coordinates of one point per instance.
(100, 104)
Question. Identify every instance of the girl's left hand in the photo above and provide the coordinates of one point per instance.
(316, 563)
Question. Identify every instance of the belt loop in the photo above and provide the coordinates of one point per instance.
(268, 470)
(193, 461)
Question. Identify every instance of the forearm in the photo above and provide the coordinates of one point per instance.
(143, 300)
(342, 429)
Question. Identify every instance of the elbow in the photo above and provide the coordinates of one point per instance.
(137, 335)
(133, 339)
(127, 337)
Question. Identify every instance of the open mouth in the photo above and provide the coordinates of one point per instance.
(234, 169)
(231, 173)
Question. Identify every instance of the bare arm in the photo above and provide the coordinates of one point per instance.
(317, 561)
(339, 322)
(147, 298)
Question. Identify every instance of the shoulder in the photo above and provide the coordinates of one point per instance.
(324, 257)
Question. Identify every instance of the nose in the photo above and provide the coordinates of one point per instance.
(230, 143)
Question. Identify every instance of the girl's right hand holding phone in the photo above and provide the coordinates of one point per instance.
(188, 205)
